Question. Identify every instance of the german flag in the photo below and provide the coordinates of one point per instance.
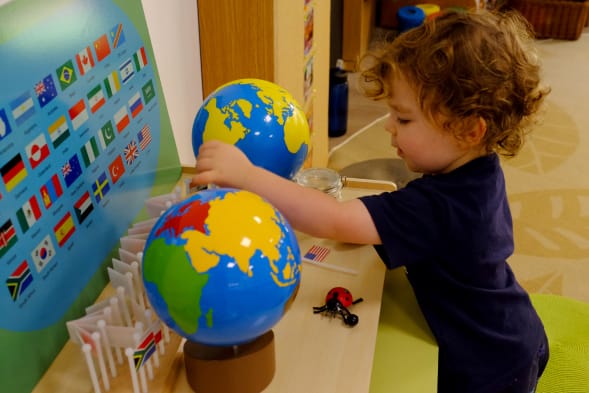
(13, 172)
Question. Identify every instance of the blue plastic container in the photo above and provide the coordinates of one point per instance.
(338, 102)
(409, 17)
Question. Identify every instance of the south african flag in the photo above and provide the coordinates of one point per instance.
(144, 350)
(19, 280)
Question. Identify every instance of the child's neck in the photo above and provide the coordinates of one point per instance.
(467, 156)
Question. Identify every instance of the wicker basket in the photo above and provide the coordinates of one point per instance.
(554, 18)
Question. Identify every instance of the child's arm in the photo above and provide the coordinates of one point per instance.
(306, 209)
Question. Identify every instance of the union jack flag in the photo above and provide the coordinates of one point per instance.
(40, 88)
(131, 152)
(66, 169)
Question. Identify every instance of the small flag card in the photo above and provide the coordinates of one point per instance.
(317, 253)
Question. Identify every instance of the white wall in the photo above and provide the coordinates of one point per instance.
(173, 29)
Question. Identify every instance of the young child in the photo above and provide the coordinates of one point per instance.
(462, 88)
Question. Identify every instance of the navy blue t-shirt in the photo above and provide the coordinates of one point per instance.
(453, 233)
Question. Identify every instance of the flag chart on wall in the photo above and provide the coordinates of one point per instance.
(79, 145)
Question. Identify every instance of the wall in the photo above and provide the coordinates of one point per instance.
(173, 29)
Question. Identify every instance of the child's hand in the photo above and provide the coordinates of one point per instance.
(221, 164)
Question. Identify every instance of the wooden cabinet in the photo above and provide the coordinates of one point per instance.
(358, 23)
(286, 42)
(236, 41)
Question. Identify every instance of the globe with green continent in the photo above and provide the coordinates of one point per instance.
(221, 267)
(259, 117)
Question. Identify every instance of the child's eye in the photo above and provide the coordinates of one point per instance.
(402, 121)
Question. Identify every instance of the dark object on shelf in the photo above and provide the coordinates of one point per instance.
(409, 16)
(386, 16)
(338, 102)
(560, 19)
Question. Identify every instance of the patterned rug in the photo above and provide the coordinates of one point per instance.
(548, 182)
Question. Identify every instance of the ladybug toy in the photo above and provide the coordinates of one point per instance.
(337, 301)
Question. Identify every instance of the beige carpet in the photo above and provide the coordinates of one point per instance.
(548, 183)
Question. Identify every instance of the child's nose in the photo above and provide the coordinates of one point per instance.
(391, 130)
(389, 125)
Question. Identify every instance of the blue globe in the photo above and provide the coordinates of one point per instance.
(260, 118)
(221, 267)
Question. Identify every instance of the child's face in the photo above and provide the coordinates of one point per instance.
(423, 146)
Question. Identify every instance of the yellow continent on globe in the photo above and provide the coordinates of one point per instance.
(216, 126)
(234, 231)
(277, 101)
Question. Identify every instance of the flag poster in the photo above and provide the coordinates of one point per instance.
(85, 138)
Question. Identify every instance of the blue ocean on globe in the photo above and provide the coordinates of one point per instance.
(221, 267)
(259, 117)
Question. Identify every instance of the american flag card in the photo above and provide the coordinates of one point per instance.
(144, 137)
(317, 253)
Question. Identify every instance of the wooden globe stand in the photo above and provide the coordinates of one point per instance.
(246, 368)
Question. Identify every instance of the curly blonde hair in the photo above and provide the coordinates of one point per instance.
(465, 66)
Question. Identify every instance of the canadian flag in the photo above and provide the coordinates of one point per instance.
(85, 60)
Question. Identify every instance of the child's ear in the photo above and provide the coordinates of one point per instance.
(475, 133)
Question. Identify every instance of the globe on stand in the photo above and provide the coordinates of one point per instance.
(260, 118)
(221, 268)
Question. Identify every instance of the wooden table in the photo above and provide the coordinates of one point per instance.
(314, 353)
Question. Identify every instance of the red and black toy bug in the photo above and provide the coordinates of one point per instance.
(337, 301)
